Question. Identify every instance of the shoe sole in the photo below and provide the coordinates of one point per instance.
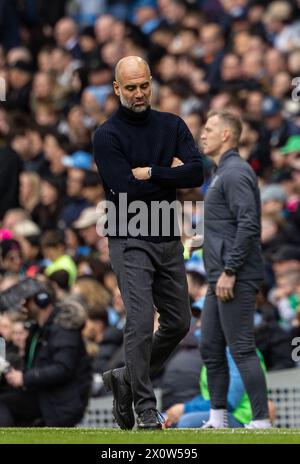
(110, 385)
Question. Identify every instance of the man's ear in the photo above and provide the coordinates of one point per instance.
(226, 135)
(116, 88)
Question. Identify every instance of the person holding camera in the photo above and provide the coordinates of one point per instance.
(53, 388)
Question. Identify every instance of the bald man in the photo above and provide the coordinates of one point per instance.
(67, 36)
(145, 155)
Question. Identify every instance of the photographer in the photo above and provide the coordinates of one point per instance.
(53, 388)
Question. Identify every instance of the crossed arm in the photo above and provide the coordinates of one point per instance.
(143, 173)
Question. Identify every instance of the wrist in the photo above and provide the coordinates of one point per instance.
(230, 272)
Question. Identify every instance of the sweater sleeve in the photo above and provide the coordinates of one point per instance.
(240, 197)
(189, 175)
(116, 172)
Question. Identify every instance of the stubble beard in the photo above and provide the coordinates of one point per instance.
(136, 109)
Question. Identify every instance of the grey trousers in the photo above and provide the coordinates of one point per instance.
(150, 274)
(232, 324)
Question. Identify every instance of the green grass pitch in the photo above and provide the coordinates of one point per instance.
(114, 436)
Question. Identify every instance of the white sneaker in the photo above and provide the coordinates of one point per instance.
(209, 425)
(259, 424)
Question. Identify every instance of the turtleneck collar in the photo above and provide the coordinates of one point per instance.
(131, 117)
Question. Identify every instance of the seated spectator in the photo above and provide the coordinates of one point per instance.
(13, 217)
(48, 211)
(92, 189)
(276, 231)
(75, 203)
(273, 199)
(54, 249)
(30, 190)
(194, 413)
(279, 128)
(285, 297)
(19, 335)
(54, 386)
(286, 259)
(60, 283)
(20, 83)
(11, 165)
(11, 259)
(28, 235)
(272, 340)
(56, 147)
(93, 292)
(86, 225)
(13, 355)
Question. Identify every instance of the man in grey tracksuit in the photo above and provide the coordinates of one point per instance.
(234, 268)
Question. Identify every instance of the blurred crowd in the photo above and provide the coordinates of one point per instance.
(58, 61)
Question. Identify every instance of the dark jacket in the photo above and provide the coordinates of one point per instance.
(10, 168)
(232, 221)
(61, 372)
(9, 24)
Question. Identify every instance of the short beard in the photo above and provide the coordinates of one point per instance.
(135, 109)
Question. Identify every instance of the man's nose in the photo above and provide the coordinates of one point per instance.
(139, 93)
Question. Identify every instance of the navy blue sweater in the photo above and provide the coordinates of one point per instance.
(128, 140)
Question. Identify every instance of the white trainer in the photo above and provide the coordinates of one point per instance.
(259, 424)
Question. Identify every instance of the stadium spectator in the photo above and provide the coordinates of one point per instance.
(47, 212)
(11, 257)
(56, 375)
(54, 250)
(30, 189)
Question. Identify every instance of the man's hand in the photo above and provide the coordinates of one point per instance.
(141, 173)
(174, 413)
(176, 162)
(225, 286)
(15, 378)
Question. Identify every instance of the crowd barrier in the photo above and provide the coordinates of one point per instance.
(284, 390)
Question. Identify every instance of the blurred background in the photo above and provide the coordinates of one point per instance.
(57, 59)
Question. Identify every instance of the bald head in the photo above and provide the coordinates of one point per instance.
(65, 29)
(130, 66)
(133, 83)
